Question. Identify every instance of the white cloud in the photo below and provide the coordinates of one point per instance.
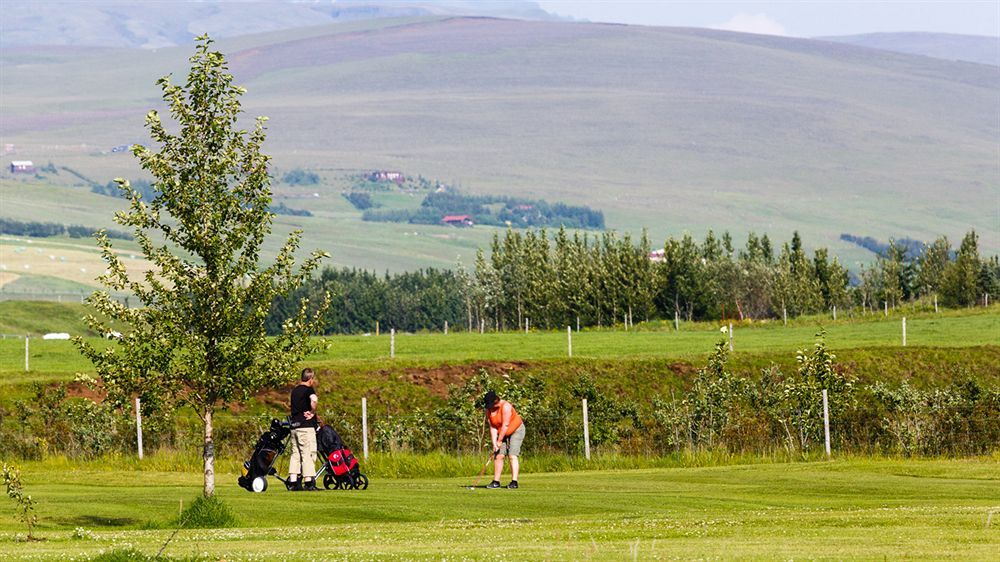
(752, 23)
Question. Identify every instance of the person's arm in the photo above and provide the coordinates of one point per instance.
(493, 436)
(506, 413)
(313, 400)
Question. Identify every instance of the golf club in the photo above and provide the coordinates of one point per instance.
(483, 471)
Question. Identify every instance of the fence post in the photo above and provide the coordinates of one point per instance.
(482, 326)
(826, 423)
(569, 340)
(886, 305)
(935, 304)
(586, 432)
(784, 316)
(904, 331)
(364, 426)
(26, 365)
(578, 323)
(677, 321)
(138, 426)
(392, 343)
(730, 336)
(526, 323)
(834, 313)
(446, 327)
(376, 327)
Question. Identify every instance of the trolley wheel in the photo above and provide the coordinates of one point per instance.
(328, 481)
(259, 484)
(361, 482)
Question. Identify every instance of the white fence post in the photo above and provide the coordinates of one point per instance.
(482, 326)
(904, 331)
(26, 365)
(376, 327)
(527, 321)
(826, 423)
(677, 321)
(886, 305)
(569, 340)
(578, 323)
(446, 327)
(586, 432)
(834, 313)
(392, 343)
(935, 304)
(138, 426)
(364, 426)
(730, 336)
(784, 316)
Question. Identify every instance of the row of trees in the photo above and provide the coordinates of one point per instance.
(46, 229)
(554, 281)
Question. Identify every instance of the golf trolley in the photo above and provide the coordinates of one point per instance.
(260, 465)
(340, 469)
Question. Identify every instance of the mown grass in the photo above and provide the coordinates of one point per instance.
(844, 509)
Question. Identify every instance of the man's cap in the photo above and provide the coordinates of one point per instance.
(490, 399)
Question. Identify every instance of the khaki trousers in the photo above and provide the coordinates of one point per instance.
(303, 453)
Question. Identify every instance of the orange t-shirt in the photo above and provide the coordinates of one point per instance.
(496, 418)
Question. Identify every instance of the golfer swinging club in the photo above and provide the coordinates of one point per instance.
(507, 432)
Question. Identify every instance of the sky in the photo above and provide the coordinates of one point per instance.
(796, 18)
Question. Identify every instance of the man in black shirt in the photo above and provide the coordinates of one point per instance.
(303, 402)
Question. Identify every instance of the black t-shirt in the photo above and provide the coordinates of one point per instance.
(302, 404)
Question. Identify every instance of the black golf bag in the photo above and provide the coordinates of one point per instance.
(340, 467)
(260, 465)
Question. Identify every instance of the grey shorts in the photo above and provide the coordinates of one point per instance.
(512, 444)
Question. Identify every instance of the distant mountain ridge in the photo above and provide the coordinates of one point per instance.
(672, 129)
(946, 46)
(153, 24)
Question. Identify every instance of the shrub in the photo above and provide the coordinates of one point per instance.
(207, 513)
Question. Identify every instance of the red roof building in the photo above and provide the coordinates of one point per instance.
(457, 220)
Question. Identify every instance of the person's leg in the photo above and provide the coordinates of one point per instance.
(514, 451)
(497, 467)
(309, 458)
(295, 462)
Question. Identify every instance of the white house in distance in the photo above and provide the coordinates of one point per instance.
(22, 167)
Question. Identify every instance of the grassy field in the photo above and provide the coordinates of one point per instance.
(845, 509)
(669, 129)
(980, 327)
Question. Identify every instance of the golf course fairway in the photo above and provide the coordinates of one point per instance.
(841, 509)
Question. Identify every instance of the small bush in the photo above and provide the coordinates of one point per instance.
(207, 513)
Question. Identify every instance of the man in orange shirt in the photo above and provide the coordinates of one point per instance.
(507, 433)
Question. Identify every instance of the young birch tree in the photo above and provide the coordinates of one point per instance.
(199, 335)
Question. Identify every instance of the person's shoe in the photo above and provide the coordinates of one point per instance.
(310, 486)
(295, 486)
(494, 485)
(512, 485)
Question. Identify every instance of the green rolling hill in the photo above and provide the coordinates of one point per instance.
(669, 129)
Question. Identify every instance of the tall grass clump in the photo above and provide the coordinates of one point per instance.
(207, 512)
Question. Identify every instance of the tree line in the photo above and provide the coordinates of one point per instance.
(492, 210)
(551, 281)
(47, 229)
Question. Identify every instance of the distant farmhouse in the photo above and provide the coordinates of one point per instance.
(457, 220)
(657, 256)
(22, 167)
(387, 175)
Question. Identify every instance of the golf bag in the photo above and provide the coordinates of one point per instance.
(260, 465)
(340, 467)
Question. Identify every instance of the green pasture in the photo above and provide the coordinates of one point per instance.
(844, 509)
(59, 358)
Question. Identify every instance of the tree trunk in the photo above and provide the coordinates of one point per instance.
(209, 455)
